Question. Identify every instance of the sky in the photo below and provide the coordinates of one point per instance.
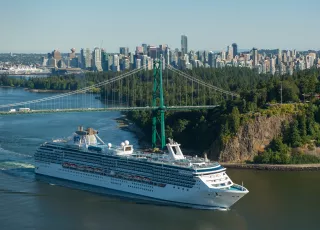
(40, 26)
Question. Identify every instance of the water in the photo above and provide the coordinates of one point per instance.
(13, 95)
(277, 200)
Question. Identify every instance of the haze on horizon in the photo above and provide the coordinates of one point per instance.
(42, 26)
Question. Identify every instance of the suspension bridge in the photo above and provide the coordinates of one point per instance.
(131, 91)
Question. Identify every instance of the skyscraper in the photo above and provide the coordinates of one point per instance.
(115, 65)
(279, 57)
(104, 60)
(211, 60)
(85, 58)
(184, 44)
(144, 59)
(97, 59)
(124, 51)
(139, 50)
(235, 49)
(272, 65)
(145, 48)
(230, 52)
(223, 55)
(138, 63)
(153, 52)
(167, 56)
(255, 56)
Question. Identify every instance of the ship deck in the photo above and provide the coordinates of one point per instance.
(190, 162)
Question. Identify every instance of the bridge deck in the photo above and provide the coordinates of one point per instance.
(170, 108)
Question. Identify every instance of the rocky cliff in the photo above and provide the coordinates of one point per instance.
(251, 138)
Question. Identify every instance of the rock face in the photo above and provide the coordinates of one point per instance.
(251, 138)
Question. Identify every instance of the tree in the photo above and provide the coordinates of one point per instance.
(302, 127)
(181, 125)
(295, 134)
(290, 91)
(234, 120)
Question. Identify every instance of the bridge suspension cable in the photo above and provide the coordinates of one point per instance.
(193, 79)
(82, 90)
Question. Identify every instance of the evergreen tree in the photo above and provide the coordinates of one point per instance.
(295, 134)
(234, 120)
(302, 127)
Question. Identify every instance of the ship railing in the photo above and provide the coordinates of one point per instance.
(239, 187)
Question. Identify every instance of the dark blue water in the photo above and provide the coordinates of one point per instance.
(277, 200)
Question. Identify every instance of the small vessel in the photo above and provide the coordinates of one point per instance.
(169, 177)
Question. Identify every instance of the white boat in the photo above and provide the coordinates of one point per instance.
(168, 177)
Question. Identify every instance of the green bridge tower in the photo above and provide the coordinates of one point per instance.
(158, 105)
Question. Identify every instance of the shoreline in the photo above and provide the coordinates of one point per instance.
(270, 167)
(125, 124)
(46, 90)
(7, 86)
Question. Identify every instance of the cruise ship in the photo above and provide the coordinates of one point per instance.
(168, 177)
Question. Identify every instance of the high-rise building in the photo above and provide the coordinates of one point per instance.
(104, 60)
(44, 61)
(255, 56)
(153, 52)
(184, 44)
(230, 52)
(85, 58)
(150, 63)
(294, 53)
(124, 51)
(234, 49)
(223, 55)
(144, 59)
(96, 59)
(110, 61)
(272, 65)
(139, 50)
(138, 63)
(131, 58)
(124, 63)
(145, 48)
(279, 57)
(167, 56)
(211, 60)
(115, 65)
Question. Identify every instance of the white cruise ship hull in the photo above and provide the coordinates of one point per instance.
(199, 196)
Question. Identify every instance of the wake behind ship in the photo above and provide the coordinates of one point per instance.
(167, 177)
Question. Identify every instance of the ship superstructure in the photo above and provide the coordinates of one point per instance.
(167, 177)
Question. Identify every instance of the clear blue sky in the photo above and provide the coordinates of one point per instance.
(44, 25)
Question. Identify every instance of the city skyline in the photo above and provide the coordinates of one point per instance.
(210, 25)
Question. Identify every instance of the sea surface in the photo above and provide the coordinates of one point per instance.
(277, 200)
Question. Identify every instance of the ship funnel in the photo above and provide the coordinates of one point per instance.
(80, 128)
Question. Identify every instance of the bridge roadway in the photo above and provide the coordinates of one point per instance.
(147, 108)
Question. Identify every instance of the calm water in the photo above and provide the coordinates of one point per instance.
(277, 200)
